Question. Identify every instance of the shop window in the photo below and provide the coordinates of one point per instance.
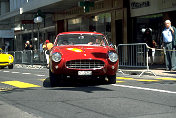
(101, 23)
(153, 22)
(74, 24)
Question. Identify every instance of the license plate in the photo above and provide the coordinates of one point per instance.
(84, 72)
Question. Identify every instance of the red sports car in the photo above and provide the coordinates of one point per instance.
(82, 55)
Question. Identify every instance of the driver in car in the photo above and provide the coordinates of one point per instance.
(97, 42)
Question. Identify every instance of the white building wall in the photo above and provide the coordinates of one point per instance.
(139, 8)
(4, 7)
(17, 4)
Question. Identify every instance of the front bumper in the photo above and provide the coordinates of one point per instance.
(2, 64)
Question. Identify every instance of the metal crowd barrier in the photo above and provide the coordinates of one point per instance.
(29, 57)
(134, 56)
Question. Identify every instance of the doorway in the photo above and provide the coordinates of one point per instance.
(119, 32)
(60, 26)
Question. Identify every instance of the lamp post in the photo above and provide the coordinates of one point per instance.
(86, 4)
(38, 18)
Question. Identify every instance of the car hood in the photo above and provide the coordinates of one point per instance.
(82, 52)
(4, 57)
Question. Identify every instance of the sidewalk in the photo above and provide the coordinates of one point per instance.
(9, 111)
(159, 70)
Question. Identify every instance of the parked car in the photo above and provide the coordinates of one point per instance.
(82, 55)
(6, 60)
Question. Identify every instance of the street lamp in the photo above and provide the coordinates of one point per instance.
(38, 18)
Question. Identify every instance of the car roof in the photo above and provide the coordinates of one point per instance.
(79, 32)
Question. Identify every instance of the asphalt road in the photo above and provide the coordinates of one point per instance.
(26, 93)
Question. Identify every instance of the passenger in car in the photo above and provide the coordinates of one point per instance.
(97, 42)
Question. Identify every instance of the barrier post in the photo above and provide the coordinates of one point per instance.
(134, 55)
(31, 57)
(147, 64)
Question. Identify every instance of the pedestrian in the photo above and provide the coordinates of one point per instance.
(28, 46)
(47, 47)
(168, 39)
(7, 46)
(41, 47)
(148, 40)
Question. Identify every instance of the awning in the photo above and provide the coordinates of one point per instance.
(46, 6)
(6, 34)
(49, 5)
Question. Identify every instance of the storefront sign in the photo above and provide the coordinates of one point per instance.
(6, 34)
(136, 5)
(145, 7)
(168, 4)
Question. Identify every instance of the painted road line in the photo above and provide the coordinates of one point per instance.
(6, 71)
(142, 80)
(26, 73)
(173, 79)
(120, 81)
(15, 72)
(42, 80)
(146, 89)
(40, 75)
(146, 80)
(20, 84)
(124, 78)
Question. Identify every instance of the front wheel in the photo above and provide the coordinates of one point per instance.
(112, 79)
(53, 79)
(10, 67)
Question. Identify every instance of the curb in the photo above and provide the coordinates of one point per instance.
(29, 66)
(138, 72)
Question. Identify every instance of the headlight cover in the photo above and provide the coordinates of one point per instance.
(113, 57)
(56, 57)
(10, 58)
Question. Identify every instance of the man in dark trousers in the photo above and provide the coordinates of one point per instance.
(168, 35)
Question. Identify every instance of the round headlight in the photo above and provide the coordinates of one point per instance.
(10, 58)
(56, 57)
(113, 57)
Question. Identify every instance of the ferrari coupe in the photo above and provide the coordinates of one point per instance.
(82, 55)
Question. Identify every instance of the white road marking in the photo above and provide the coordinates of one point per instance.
(6, 71)
(147, 89)
(15, 72)
(40, 75)
(26, 73)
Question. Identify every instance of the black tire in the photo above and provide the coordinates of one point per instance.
(2, 67)
(53, 79)
(10, 66)
(102, 79)
(111, 79)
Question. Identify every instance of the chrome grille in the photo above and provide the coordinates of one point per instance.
(85, 64)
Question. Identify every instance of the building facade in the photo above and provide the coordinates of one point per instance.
(106, 16)
(122, 21)
(151, 14)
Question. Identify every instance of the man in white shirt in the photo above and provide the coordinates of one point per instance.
(168, 39)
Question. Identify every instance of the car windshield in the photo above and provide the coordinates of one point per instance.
(81, 39)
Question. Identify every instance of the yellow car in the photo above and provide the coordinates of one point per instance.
(6, 60)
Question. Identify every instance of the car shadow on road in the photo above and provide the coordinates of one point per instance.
(87, 86)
